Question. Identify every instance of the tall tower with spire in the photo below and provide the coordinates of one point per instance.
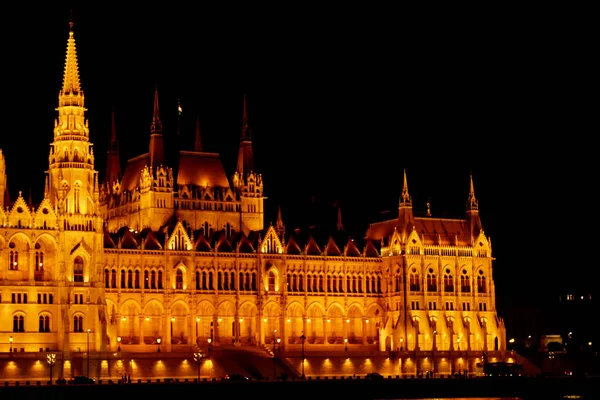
(247, 182)
(72, 191)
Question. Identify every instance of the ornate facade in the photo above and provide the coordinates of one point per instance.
(148, 258)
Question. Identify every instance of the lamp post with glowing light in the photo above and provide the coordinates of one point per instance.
(198, 360)
(119, 341)
(209, 346)
(346, 344)
(275, 351)
(303, 338)
(88, 352)
(158, 340)
(51, 360)
(10, 340)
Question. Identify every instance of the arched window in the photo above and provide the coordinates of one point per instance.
(13, 259)
(78, 269)
(198, 280)
(431, 281)
(465, 282)
(481, 283)
(106, 278)
(160, 279)
(78, 323)
(271, 283)
(146, 280)
(152, 279)
(113, 279)
(137, 279)
(448, 281)
(44, 323)
(18, 323)
(414, 281)
(179, 280)
(130, 279)
(123, 280)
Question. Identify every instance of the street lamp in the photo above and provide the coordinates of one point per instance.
(88, 352)
(198, 360)
(158, 340)
(458, 342)
(51, 360)
(119, 341)
(209, 346)
(346, 344)
(275, 351)
(10, 340)
(303, 338)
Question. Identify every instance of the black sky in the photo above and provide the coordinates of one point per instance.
(341, 102)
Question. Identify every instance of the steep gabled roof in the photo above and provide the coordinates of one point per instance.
(202, 244)
(128, 241)
(371, 250)
(108, 241)
(351, 249)
(312, 248)
(223, 245)
(332, 249)
(152, 242)
(292, 247)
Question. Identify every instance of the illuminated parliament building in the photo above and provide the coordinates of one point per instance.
(141, 259)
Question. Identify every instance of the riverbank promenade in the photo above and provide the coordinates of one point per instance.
(525, 388)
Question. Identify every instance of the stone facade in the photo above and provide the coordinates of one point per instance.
(150, 260)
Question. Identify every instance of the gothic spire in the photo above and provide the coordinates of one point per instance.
(198, 142)
(157, 149)
(245, 163)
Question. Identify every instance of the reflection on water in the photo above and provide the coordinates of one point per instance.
(465, 398)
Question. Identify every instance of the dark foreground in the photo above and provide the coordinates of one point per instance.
(359, 389)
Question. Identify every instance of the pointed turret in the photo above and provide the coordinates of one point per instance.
(279, 226)
(245, 163)
(198, 142)
(113, 162)
(405, 211)
(157, 148)
(473, 217)
(71, 88)
(340, 225)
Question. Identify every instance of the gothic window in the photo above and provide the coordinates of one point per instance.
(44, 323)
(219, 281)
(106, 278)
(271, 283)
(123, 280)
(211, 281)
(153, 280)
(179, 280)
(130, 279)
(228, 230)
(78, 323)
(226, 280)
(160, 279)
(76, 194)
(414, 281)
(137, 279)
(341, 283)
(13, 259)
(431, 281)
(78, 269)
(113, 279)
(146, 280)
(448, 281)
(248, 281)
(232, 281)
(198, 280)
(465, 282)
(18, 323)
(39, 260)
(481, 288)
(330, 288)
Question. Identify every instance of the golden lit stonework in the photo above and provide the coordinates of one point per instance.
(148, 272)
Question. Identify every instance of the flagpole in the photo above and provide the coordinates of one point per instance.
(178, 114)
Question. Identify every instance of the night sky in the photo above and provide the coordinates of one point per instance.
(340, 102)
